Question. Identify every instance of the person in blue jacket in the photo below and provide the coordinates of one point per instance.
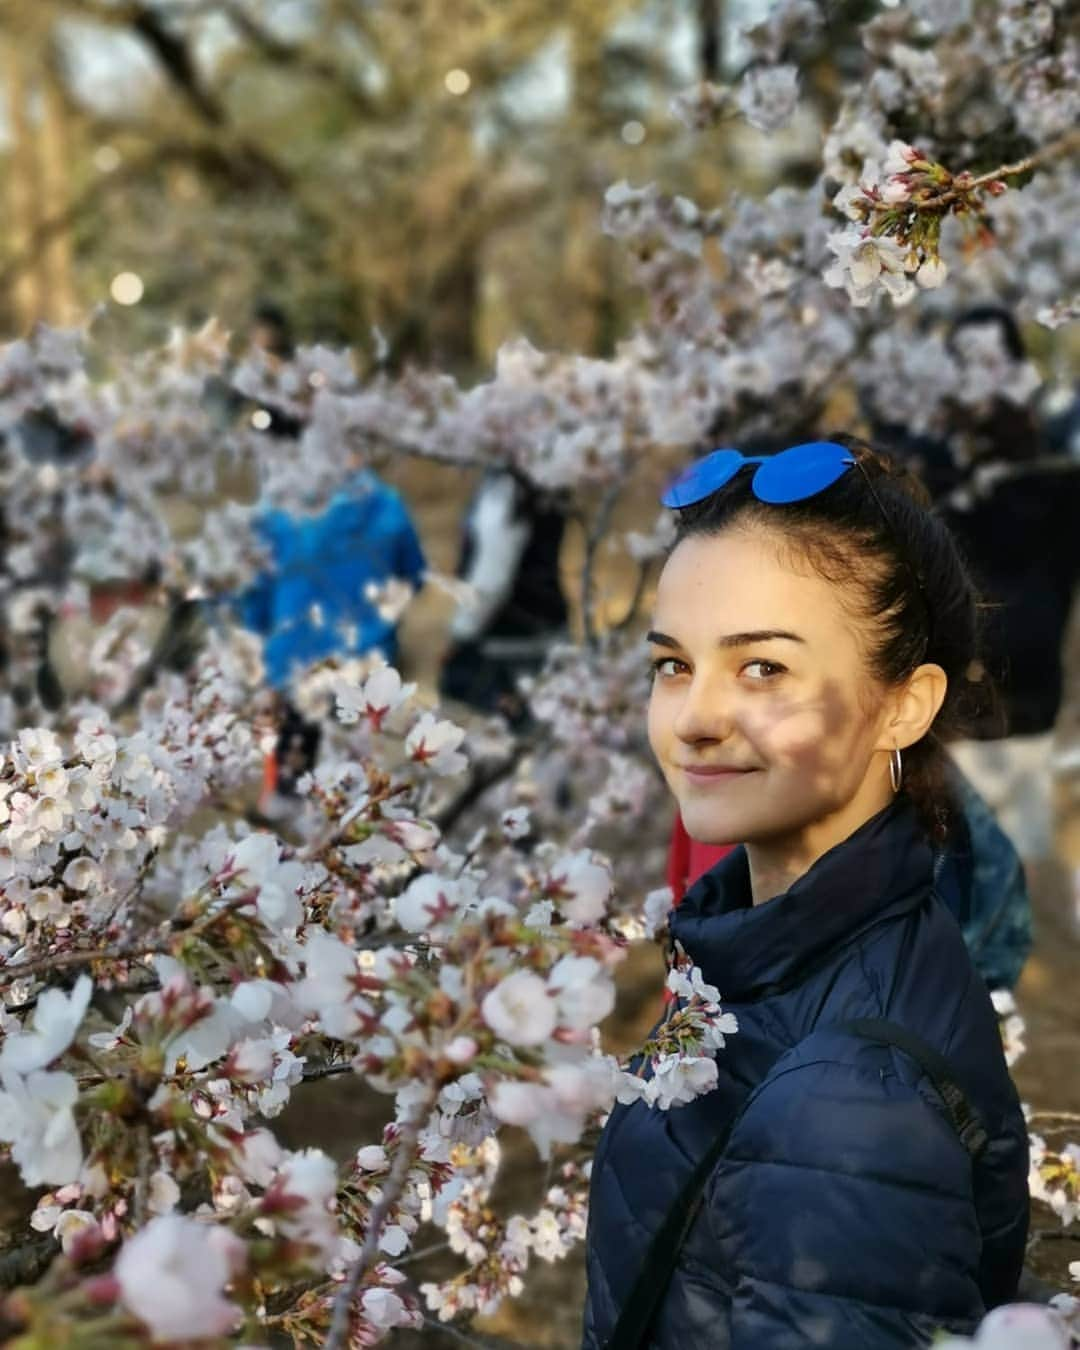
(314, 600)
(857, 1179)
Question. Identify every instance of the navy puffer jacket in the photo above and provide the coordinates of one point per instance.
(845, 1213)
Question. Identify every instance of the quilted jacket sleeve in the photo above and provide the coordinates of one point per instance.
(847, 1202)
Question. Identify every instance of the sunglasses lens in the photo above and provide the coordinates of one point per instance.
(803, 471)
(702, 479)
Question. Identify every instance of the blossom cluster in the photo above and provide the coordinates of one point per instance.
(245, 962)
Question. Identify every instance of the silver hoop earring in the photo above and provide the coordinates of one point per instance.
(896, 769)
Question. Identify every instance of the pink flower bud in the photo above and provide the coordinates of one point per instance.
(101, 1290)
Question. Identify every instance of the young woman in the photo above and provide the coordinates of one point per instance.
(858, 1178)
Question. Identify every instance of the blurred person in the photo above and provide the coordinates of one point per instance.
(1014, 513)
(812, 633)
(516, 610)
(319, 597)
(271, 330)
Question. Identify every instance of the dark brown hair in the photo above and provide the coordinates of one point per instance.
(902, 578)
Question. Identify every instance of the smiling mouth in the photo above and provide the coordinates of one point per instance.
(713, 771)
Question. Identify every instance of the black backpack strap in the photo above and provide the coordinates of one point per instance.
(636, 1315)
(962, 1115)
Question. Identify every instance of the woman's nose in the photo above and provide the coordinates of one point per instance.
(704, 714)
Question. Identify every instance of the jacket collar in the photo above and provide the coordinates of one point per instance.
(883, 869)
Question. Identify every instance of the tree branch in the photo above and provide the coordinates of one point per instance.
(284, 54)
(66, 960)
(314, 1073)
(174, 57)
(1060, 148)
(142, 1172)
(408, 1143)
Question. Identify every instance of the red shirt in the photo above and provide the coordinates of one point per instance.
(688, 860)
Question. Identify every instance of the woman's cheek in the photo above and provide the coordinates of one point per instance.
(658, 721)
(793, 733)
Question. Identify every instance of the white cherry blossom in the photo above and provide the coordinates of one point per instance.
(520, 1009)
(173, 1273)
(38, 1121)
(433, 742)
(55, 1021)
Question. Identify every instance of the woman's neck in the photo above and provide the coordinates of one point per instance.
(777, 863)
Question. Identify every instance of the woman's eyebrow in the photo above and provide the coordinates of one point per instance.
(758, 635)
(731, 639)
(661, 639)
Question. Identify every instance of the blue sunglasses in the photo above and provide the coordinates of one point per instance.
(791, 476)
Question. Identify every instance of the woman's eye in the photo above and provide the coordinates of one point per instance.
(667, 666)
(763, 670)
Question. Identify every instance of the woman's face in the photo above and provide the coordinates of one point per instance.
(763, 716)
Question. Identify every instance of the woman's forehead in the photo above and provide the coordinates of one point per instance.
(713, 585)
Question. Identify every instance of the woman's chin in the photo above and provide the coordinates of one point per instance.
(704, 828)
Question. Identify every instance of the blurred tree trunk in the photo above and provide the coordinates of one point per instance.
(711, 38)
(23, 187)
(60, 305)
(582, 261)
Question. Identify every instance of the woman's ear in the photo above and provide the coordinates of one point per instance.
(915, 707)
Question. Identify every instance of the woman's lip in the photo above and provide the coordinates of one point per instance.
(711, 771)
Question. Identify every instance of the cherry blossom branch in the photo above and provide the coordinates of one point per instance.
(311, 1075)
(444, 1328)
(142, 1174)
(72, 960)
(1056, 149)
(408, 1144)
(484, 780)
(125, 951)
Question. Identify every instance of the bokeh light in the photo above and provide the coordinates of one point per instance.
(127, 288)
(107, 159)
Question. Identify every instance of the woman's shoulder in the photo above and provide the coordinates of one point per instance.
(848, 1102)
(927, 981)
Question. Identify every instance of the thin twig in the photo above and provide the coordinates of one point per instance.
(325, 1071)
(142, 1172)
(84, 957)
(458, 1335)
(420, 1255)
(1062, 146)
(483, 780)
(1051, 1235)
(408, 1142)
(130, 950)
